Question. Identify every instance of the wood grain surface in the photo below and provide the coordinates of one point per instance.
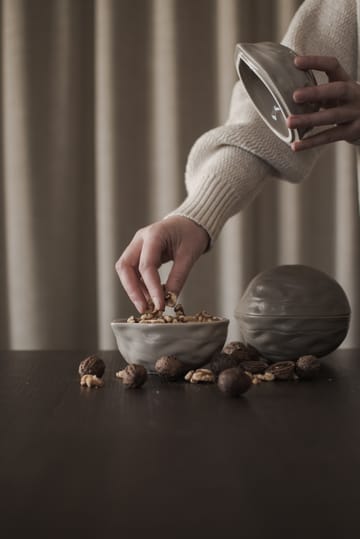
(176, 459)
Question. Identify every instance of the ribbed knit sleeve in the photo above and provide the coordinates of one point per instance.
(228, 165)
(210, 203)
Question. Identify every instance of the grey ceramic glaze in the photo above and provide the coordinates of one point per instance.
(192, 342)
(292, 310)
(270, 77)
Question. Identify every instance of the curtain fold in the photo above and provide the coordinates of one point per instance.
(101, 101)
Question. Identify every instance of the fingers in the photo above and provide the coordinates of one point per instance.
(333, 92)
(176, 238)
(150, 261)
(179, 272)
(338, 100)
(336, 115)
(194, 243)
(126, 268)
(138, 270)
(329, 64)
(325, 137)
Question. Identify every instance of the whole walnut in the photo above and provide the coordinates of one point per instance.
(255, 366)
(282, 370)
(234, 382)
(252, 352)
(221, 361)
(92, 365)
(133, 376)
(240, 354)
(230, 347)
(307, 367)
(245, 353)
(170, 368)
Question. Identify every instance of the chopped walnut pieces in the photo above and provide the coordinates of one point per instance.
(200, 376)
(170, 297)
(179, 310)
(258, 378)
(267, 377)
(152, 316)
(90, 380)
(147, 316)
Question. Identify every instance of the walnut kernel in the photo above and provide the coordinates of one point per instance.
(170, 297)
(200, 376)
(90, 380)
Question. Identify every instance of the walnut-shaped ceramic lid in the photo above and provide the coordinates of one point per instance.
(294, 290)
(270, 78)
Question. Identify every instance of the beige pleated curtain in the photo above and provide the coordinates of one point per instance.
(101, 101)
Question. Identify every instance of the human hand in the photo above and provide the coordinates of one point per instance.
(339, 102)
(176, 238)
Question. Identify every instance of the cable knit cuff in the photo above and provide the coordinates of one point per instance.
(234, 180)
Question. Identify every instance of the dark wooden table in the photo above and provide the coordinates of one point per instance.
(176, 460)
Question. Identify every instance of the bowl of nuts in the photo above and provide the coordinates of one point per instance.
(193, 339)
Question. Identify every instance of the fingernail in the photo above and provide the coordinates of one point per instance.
(156, 303)
(139, 306)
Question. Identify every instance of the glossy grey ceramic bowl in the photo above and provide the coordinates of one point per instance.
(194, 343)
(293, 310)
(270, 78)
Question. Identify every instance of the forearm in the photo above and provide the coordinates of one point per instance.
(228, 165)
(227, 181)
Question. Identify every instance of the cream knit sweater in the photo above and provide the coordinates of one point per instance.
(228, 165)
